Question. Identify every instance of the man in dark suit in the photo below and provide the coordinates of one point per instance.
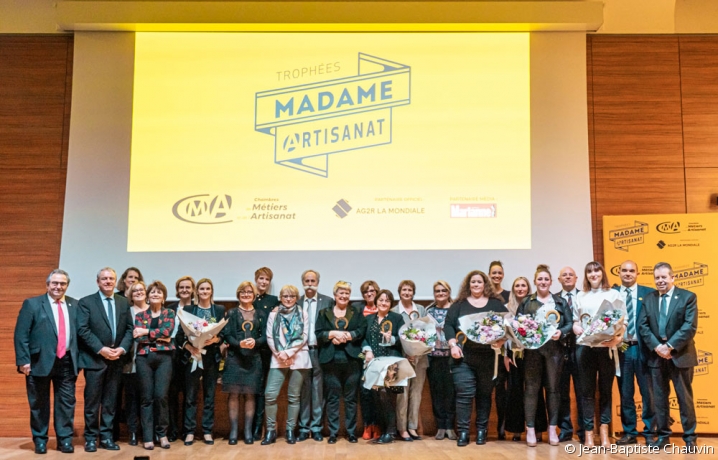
(104, 325)
(667, 323)
(46, 352)
(311, 405)
(633, 361)
(567, 277)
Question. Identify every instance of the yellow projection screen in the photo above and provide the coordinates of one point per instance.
(330, 141)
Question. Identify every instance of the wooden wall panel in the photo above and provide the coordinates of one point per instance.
(699, 86)
(35, 90)
(636, 102)
(701, 189)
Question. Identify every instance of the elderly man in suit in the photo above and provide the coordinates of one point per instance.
(311, 405)
(46, 352)
(667, 323)
(633, 361)
(104, 325)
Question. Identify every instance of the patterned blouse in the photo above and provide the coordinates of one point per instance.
(149, 343)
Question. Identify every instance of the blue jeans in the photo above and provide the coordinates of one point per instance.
(631, 366)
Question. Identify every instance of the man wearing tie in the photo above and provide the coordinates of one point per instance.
(667, 323)
(46, 352)
(311, 404)
(104, 325)
(633, 361)
(567, 277)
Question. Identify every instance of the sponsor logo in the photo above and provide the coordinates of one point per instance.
(203, 209)
(705, 359)
(692, 276)
(616, 270)
(312, 121)
(669, 227)
(463, 211)
(342, 208)
(661, 244)
(628, 236)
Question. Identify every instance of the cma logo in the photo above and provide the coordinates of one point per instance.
(203, 209)
(669, 227)
(616, 270)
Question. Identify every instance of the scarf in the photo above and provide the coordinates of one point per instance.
(292, 326)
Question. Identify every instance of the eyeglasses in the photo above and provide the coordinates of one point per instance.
(246, 293)
(289, 296)
(440, 290)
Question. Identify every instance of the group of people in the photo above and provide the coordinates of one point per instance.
(136, 355)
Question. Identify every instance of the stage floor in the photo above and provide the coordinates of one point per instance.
(428, 449)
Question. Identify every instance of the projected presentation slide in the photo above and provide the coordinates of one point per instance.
(330, 141)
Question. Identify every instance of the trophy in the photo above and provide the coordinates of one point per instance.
(247, 328)
(414, 315)
(385, 327)
(441, 343)
(585, 320)
(553, 317)
(461, 339)
(341, 323)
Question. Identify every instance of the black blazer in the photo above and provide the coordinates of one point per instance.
(325, 324)
(36, 335)
(212, 350)
(531, 305)
(643, 291)
(680, 328)
(396, 321)
(93, 328)
(233, 333)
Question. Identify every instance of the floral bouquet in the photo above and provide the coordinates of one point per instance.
(418, 337)
(485, 329)
(388, 371)
(607, 323)
(529, 333)
(199, 331)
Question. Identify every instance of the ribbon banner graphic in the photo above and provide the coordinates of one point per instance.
(309, 122)
(624, 237)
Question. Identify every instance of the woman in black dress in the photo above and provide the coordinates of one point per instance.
(473, 364)
(377, 344)
(245, 335)
(496, 275)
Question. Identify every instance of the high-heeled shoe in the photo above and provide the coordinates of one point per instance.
(605, 441)
(209, 441)
(451, 434)
(270, 437)
(248, 436)
(552, 436)
(164, 442)
(189, 440)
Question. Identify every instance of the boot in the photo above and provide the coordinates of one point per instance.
(270, 437)
(605, 441)
(589, 439)
(440, 434)
(481, 437)
(463, 439)
(531, 437)
(451, 434)
(368, 433)
(552, 436)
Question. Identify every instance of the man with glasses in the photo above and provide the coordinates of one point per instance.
(312, 399)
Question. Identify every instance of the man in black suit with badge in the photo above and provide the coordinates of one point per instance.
(46, 352)
(104, 326)
(667, 323)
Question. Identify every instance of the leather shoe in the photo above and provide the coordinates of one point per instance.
(66, 447)
(440, 434)
(463, 439)
(415, 437)
(133, 439)
(249, 440)
(90, 446)
(481, 437)
(40, 447)
(109, 444)
(209, 442)
(291, 439)
(149, 446)
(627, 439)
(502, 436)
(386, 438)
(332, 439)
(565, 437)
(660, 442)
(188, 442)
(317, 436)
(516, 437)
(407, 439)
(232, 441)
(270, 437)
(352, 439)
(692, 447)
(303, 436)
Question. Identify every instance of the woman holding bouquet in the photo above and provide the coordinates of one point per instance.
(441, 386)
(378, 343)
(472, 366)
(153, 331)
(595, 362)
(544, 364)
(340, 331)
(243, 367)
(209, 372)
(368, 291)
(287, 332)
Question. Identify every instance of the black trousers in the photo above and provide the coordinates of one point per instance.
(177, 385)
(209, 376)
(259, 399)
(341, 380)
(473, 382)
(155, 372)
(570, 371)
(101, 387)
(133, 401)
(500, 396)
(441, 387)
(542, 369)
(63, 378)
(682, 378)
(384, 403)
(368, 412)
(595, 363)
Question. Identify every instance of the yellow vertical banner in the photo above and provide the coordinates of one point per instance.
(687, 242)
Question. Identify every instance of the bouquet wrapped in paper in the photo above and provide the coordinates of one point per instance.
(199, 331)
(388, 371)
(418, 337)
(530, 333)
(607, 323)
(485, 328)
